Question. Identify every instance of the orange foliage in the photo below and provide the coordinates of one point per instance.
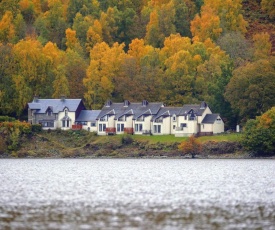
(191, 146)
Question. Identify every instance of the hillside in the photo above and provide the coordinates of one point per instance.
(258, 21)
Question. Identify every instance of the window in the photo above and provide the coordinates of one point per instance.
(102, 127)
(121, 118)
(183, 125)
(105, 118)
(66, 123)
(66, 112)
(120, 127)
(174, 127)
(174, 118)
(159, 120)
(157, 128)
(219, 120)
(93, 124)
(47, 124)
(138, 127)
(141, 118)
(192, 118)
(49, 113)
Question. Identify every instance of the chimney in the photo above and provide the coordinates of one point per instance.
(63, 98)
(35, 98)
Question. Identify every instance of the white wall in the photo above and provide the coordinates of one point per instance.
(218, 127)
(61, 115)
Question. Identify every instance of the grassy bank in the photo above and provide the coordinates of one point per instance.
(68, 144)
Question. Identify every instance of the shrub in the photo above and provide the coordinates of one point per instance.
(191, 146)
(36, 128)
(126, 140)
(6, 118)
(259, 134)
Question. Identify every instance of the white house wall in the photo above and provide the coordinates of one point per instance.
(61, 115)
(207, 128)
(218, 127)
(165, 126)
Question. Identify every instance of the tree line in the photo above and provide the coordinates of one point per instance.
(175, 51)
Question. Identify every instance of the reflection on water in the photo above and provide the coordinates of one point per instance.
(137, 194)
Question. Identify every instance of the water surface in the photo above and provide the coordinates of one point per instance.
(137, 194)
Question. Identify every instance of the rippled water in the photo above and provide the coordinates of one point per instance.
(137, 194)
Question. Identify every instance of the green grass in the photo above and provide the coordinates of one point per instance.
(159, 138)
(221, 137)
(169, 138)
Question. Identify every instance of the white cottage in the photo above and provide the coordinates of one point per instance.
(54, 113)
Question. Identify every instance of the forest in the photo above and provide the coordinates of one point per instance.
(174, 51)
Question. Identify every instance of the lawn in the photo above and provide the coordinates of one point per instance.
(169, 138)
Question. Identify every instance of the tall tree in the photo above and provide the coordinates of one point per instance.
(262, 46)
(104, 66)
(33, 71)
(251, 89)
(7, 31)
(7, 91)
(268, 6)
(60, 83)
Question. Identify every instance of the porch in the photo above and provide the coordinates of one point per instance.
(76, 127)
(129, 131)
(110, 131)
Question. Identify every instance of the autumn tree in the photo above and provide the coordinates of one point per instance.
(206, 25)
(75, 67)
(141, 76)
(262, 46)
(7, 90)
(7, 31)
(72, 41)
(51, 25)
(251, 89)
(161, 23)
(191, 146)
(105, 64)
(81, 25)
(268, 6)
(60, 83)
(94, 35)
(218, 17)
(33, 74)
(259, 134)
(11, 6)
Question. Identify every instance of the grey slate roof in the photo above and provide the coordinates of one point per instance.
(210, 118)
(136, 109)
(198, 109)
(168, 111)
(88, 115)
(57, 105)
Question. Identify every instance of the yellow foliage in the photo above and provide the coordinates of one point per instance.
(7, 31)
(262, 46)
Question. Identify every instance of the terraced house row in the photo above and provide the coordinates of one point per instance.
(126, 117)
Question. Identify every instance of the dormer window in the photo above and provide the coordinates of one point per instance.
(144, 103)
(174, 118)
(49, 111)
(126, 103)
(108, 103)
(66, 112)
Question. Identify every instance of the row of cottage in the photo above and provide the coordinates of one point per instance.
(132, 118)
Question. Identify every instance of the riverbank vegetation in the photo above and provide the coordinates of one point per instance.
(20, 139)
